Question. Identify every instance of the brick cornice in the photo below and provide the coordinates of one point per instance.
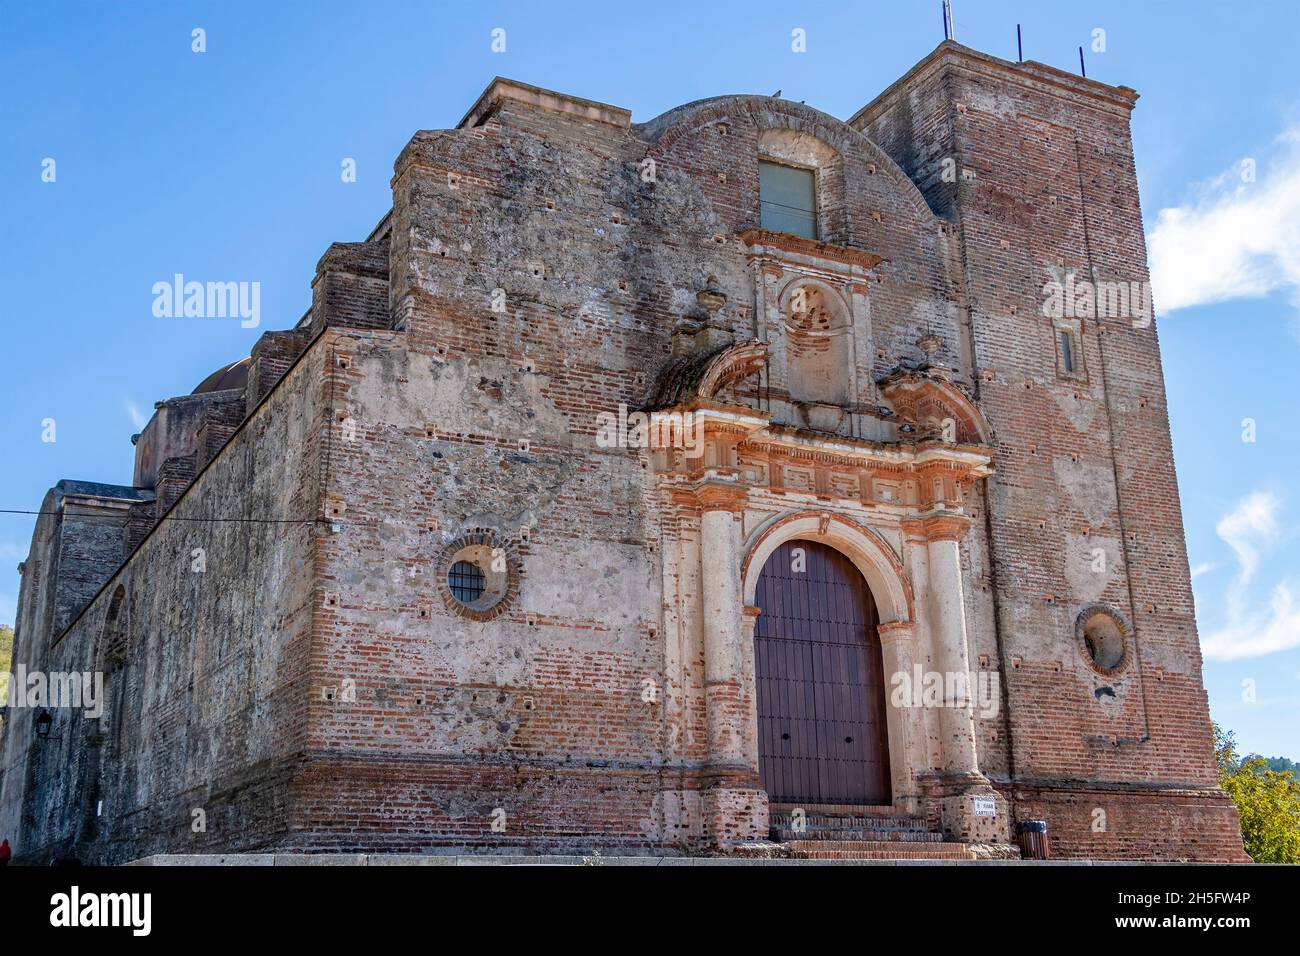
(502, 89)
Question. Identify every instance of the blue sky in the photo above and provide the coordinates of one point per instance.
(226, 165)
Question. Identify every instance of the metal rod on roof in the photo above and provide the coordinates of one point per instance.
(1020, 50)
(943, 9)
(1083, 70)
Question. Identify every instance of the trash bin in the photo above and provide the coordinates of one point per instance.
(1033, 840)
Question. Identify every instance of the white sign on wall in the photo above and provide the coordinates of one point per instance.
(985, 806)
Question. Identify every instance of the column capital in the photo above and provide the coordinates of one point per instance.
(939, 526)
(716, 495)
(895, 631)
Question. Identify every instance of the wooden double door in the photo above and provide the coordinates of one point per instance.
(822, 736)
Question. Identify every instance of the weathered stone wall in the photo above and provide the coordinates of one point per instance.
(172, 431)
(537, 711)
(206, 703)
(1096, 821)
(485, 419)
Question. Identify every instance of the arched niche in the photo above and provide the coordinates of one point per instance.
(817, 329)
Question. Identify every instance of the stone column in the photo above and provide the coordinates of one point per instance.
(907, 749)
(951, 653)
(735, 807)
(749, 689)
(962, 793)
(720, 589)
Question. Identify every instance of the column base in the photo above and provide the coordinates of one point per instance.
(967, 807)
(734, 815)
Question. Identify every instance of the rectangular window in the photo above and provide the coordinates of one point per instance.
(1067, 352)
(787, 199)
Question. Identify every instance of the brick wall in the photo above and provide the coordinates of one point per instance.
(1085, 465)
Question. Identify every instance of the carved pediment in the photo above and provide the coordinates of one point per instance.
(927, 399)
(703, 376)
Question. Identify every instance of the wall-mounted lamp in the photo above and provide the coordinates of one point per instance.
(44, 720)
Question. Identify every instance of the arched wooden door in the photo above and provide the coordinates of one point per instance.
(820, 681)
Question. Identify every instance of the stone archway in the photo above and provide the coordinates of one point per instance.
(819, 681)
(891, 593)
(870, 554)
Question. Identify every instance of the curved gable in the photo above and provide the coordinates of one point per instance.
(664, 132)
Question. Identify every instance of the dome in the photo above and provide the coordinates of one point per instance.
(234, 375)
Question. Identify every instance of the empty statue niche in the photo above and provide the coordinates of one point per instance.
(817, 346)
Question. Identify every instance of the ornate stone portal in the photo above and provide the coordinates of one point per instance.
(745, 484)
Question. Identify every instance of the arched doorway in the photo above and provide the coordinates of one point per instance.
(819, 680)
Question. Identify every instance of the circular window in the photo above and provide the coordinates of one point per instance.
(478, 576)
(1104, 636)
(466, 582)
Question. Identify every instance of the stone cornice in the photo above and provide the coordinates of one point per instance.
(718, 490)
(97, 505)
(501, 89)
(755, 436)
(950, 55)
(797, 245)
(862, 453)
(715, 495)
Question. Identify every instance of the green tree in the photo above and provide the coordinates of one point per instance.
(6, 655)
(6, 660)
(1268, 802)
(1282, 765)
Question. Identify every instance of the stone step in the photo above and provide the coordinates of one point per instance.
(785, 834)
(837, 809)
(847, 822)
(876, 850)
(858, 830)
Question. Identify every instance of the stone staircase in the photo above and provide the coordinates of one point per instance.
(859, 833)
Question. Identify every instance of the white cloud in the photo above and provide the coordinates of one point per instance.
(133, 410)
(1205, 567)
(1235, 239)
(1251, 524)
(1252, 628)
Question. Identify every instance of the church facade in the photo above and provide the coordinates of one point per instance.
(741, 481)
